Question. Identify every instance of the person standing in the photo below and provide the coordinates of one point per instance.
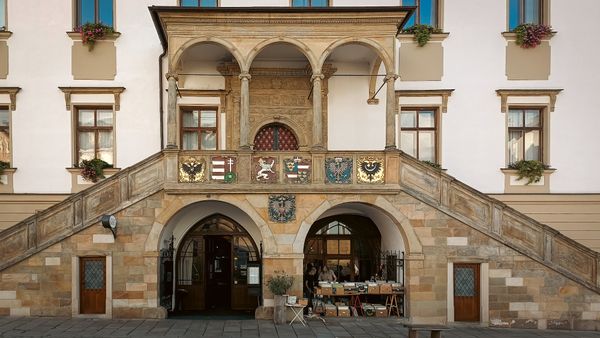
(327, 275)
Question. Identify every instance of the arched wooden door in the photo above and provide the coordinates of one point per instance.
(212, 266)
(275, 136)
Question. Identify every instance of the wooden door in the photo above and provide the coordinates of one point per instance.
(218, 274)
(466, 292)
(92, 285)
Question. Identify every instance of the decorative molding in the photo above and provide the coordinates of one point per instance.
(12, 93)
(116, 91)
(505, 93)
(202, 92)
(5, 35)
(443, 93)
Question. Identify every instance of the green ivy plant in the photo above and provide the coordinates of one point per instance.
(280, 283)
(91, 32)
(422, 33)
(3, 165)
(432, 164)
(531, 35)
(532, 170)
(93, 170)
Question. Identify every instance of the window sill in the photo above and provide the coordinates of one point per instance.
(6, 181)
(76, 36)
(78, 183)
(4, 35)
(438, 37)
(512, 36)
(512, 185)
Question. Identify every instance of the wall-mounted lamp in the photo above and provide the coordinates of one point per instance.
(110, 222)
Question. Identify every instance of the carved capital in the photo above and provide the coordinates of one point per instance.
(245, 76)
(12, 93)
(317, 76)
(172, 75)
(391, 78)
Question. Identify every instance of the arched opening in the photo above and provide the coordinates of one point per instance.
(353, 91)
(360, 243)
(212, 267)
(347, 244)
(275, 137)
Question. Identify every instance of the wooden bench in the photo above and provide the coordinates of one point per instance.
(436, 330)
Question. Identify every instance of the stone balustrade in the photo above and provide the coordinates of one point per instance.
(222, 172)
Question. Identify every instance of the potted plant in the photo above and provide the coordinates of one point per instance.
(432, 164)
(91, 32)
(93, 170)
(422, 33)
(532, 170)
(530, 35)
(279, 284)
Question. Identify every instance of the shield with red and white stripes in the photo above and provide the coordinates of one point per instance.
(297, 170)
(223, 169)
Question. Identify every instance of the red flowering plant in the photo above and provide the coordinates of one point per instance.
(531, 35)
(91, 32)
(93, 170)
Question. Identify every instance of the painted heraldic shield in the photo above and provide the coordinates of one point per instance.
(297, 170)
(223, 169)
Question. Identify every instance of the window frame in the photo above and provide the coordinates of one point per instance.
(4, 27)
(77, 13)
(542, 130)
(9, 128)
(95, 129)
(199, 129)
(310, 4)
(435, 129)
(544, 16)
(417, 13)
(199, 6)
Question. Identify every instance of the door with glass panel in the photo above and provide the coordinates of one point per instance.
(92, 285)
(466, 292)
(199, 126)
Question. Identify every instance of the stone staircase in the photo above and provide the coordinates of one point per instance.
(81, 210)
(431, 186)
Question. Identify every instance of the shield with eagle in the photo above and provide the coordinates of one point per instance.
(192, 169)
(338, 170)
(282, 208)
(370, 170)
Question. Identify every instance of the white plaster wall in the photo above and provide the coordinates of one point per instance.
(473, 138)
(353, 124)
(40, 62)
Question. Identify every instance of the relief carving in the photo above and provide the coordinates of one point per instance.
(58, 223)
(526, 235)
(573, 260)
(470, 207)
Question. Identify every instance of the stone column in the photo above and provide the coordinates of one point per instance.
(317, 130)
(244, 110)
(172, 112)
(390, 113)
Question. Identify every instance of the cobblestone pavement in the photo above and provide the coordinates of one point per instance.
(335, 327)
